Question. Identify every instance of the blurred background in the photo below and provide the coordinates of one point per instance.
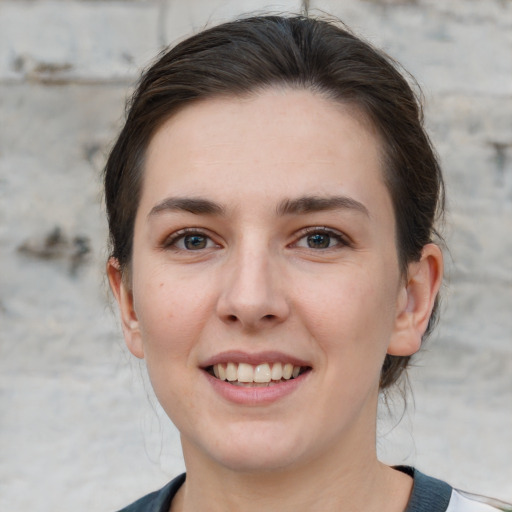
(79, 428)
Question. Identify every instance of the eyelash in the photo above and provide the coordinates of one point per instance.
(341, 240)
(171, 241)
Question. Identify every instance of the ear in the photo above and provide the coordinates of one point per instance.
(416, 301)
(124, 298)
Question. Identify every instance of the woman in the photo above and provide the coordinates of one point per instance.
(271, 202)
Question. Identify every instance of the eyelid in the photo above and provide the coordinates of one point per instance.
(169, 241)
(344, 240)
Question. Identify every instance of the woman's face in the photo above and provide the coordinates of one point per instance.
(265, 244)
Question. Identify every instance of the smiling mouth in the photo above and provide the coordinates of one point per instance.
(265, 374)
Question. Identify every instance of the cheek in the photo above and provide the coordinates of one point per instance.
(170, 313)
(171, 318)
(352, 310)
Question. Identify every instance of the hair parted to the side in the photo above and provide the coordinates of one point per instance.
(247, 55)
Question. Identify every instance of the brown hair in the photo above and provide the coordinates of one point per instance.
(239, 57)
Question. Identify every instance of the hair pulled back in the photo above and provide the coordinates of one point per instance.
(243, 56)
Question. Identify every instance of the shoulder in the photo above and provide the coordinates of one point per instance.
(158, 501)
(433, 495)
(466, 502)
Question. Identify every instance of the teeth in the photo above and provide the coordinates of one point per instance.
(287, 371)
(277, 371)
(245, 373)
(264, 373)
(231, 372)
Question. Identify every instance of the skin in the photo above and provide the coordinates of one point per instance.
(258, 283)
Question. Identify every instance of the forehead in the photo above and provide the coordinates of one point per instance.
(273, 143)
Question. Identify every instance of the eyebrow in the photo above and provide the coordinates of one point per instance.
(311, 204)
(195, 205)
(301, 205)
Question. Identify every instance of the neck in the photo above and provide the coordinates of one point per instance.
(343, 479)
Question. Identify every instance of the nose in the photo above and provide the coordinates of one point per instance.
(252, 294)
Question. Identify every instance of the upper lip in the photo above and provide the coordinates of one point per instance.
(256, 358)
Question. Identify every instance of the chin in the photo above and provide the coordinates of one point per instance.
(261, 449)
(254, 461)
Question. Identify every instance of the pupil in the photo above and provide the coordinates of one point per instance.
(318, 241)
(195, 242)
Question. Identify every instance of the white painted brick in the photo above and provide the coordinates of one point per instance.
(52, 142)
(473, 135)
(480, 250)
(484, 306)
(79, 40)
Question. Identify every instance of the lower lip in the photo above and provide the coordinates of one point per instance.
(245, 395)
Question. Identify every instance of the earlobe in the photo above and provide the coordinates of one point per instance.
(416, 301)
(124, 298)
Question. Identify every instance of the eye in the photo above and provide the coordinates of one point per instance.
(318, 241)
(194, 242)
(189, 240)
(321, 238)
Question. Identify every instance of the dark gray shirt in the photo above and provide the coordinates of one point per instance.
(428, 495)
